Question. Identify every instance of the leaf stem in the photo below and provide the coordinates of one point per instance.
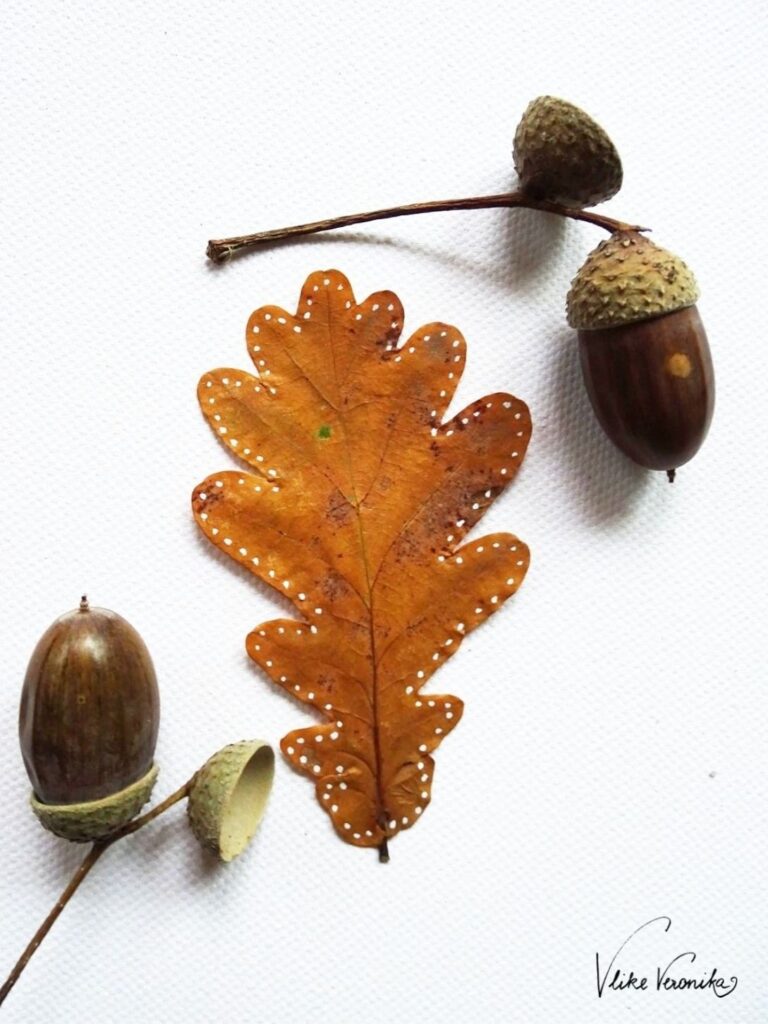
(79, 876)
(220, 249)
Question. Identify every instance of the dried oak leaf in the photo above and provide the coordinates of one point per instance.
(355, 506)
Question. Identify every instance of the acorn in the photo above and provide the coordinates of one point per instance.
(562, 156)
(644, 353)
(88, 724)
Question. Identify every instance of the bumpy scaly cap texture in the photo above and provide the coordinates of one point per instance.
(628, 278)
(563, 156)
(229, 795)
(95, 819)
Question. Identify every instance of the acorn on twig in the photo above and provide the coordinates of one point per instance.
(644, 353)
(561, 155)
(88, 724)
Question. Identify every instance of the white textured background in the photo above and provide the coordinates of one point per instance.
(611, 765)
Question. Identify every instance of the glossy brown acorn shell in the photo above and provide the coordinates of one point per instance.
(652, 386)
(90, 708)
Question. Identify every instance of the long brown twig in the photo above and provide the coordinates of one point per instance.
(80, 874)
(220, 249)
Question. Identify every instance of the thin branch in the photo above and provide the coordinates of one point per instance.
(220, 249)
(80, 874)
(93, 855)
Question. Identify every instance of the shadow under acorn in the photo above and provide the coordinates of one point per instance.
(603, 482)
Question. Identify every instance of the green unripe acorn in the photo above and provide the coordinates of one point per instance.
(88, 724)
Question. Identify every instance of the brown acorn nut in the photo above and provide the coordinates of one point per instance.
(644, 353)
(88, 724)
(563, 156)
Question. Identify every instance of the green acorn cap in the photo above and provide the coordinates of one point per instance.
(95, 819)
(625, 279)
(229, 795)
(563, 156)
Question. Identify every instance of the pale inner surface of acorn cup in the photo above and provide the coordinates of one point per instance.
(246, 803)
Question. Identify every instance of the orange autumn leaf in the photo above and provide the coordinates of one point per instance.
(355, 506)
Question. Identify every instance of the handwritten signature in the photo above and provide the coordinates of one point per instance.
(667, 978)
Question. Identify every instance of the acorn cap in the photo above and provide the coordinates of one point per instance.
(229, 795)
(563, 156)
(625, 279)
(95, 819)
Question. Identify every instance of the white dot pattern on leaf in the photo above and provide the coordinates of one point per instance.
(314, 750)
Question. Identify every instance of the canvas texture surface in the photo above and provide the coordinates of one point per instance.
(610, 766)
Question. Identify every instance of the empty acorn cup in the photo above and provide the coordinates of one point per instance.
(88, 724)
(229, 795)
